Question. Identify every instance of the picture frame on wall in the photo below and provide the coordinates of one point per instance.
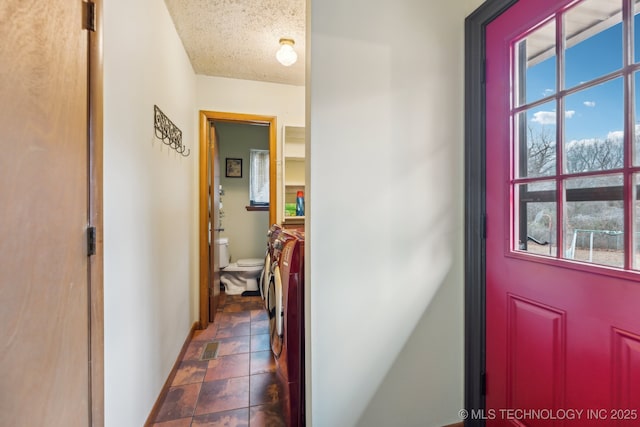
(234, 168)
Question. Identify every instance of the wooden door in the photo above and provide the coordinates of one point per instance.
(44, 314)
(562, 171)
(214, 221)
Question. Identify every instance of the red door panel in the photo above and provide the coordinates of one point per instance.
(563, 337)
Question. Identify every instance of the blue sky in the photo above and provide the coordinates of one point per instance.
(592, 113)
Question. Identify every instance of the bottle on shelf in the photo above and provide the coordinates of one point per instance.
(300, 204)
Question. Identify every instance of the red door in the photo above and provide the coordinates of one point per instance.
(562, 263)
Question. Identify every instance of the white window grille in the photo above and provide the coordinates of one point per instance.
(259, 177)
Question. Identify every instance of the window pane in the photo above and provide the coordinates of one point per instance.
(636, 128)
(259, 177)
(636, 222)
(636, 31)
(536, 218)
(536, 142)
(594, 123)
(536, 75)
(592, 27)
(594, 220)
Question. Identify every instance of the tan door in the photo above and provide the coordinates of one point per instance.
(214, 221)
(44, 325)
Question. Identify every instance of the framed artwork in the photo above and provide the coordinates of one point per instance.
(234, 168)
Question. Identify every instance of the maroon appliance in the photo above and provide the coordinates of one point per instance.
(267, 271)
(286, 323)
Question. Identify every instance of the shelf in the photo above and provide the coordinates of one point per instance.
(294, 158)
(294, 184)
(293, 220)
(293, 169)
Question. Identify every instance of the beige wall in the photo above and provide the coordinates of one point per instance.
(150, 208)
(386, 279)
(246, 230)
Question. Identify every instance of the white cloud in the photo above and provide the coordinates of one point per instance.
(549, 117)
(547, 92)
(619, 134)
(590, 103)
(615, 134)
(544, 117)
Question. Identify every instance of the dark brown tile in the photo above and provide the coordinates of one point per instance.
(259, 327)
(266, 416)
(233, 345)
(231, 319)
(265, 388)
(234, 365)
(258, 315)
(262, 362)
(223, 395)
(194, 350)
(182, 422)
(190, 371)
(235, 418)
(234, 330)
(206, 334)
(235, 307)
(260, 342)
(179, 403)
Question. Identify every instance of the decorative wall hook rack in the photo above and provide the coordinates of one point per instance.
(168, 132)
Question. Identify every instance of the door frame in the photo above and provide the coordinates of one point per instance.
(475, 205)
(205, 118)
(95, 219)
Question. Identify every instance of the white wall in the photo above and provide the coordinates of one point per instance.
(386, 279)
(286, 102)
(246, 230)
(150, 207)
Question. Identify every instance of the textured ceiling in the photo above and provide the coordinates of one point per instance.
(239, 38)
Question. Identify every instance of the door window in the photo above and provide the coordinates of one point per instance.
(576, 136)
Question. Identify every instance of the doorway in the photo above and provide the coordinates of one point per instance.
(206, 170)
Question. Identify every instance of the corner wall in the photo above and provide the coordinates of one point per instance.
(150, 207)
(386, 218)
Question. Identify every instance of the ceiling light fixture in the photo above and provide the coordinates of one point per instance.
(286, 55)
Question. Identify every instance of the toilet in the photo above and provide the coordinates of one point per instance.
(241, 275)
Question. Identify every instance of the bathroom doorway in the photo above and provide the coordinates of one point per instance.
(208, 190)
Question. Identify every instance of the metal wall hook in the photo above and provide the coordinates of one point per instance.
(167, 132)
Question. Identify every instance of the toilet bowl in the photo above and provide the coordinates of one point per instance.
(239, 276)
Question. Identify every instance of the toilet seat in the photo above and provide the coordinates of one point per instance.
(250, 262)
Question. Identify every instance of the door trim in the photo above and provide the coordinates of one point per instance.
(95, 218)
(205, 118)
(475, 203)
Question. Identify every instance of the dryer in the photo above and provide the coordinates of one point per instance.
(265, 278)
(286, 322)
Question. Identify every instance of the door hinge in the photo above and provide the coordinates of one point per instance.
(483, 383)
(90, 16)
(484, 226)
(91, 241)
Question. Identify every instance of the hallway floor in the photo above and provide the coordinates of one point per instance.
(239, 388)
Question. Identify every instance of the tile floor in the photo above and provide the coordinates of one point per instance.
(237, 389)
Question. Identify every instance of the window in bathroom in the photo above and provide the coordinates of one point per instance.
(259, 177)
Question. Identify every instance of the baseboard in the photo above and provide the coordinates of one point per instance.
(165, 388)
